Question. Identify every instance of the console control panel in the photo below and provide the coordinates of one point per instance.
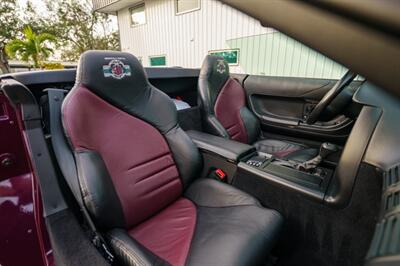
(256, 161)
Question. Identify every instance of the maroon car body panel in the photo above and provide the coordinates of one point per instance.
(23, 236)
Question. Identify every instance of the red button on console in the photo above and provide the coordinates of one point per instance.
(220, 174)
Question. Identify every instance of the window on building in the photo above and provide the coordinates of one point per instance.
(231, 56)
(138, 15)
(158, 60)
(184, 6)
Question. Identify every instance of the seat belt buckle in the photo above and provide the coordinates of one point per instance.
(220, 175)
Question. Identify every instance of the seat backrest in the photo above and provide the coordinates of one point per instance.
(132, 157)
(223, 103)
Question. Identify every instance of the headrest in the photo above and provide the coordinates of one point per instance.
(215, 70)
(115, 76)
(119, 78)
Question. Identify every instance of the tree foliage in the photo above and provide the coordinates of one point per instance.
(34, 47)
(9, 28)
(13, 20)
(79, 28)
(74, 24)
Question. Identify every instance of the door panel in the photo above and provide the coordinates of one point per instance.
(271, 106)
(282, 104)
(288, 86)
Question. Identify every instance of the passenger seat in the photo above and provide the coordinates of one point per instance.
(138, 174)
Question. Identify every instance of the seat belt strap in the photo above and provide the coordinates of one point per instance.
(66, 162)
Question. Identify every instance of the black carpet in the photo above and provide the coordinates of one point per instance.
(315, 234)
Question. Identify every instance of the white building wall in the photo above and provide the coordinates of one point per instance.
(185, 39)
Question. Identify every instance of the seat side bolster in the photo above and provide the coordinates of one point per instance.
(129, 252)
(98, 191)
(247, 232)
(185, 153)
(214, 127)
(207, 192)
(209, 86)
(251, 124)
(210, 121)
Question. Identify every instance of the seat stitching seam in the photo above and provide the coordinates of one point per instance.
(162, 170)
(149, 161)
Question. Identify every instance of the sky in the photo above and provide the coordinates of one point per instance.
(37, 3)
(40, 6)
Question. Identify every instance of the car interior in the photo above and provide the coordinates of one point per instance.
(177, 166)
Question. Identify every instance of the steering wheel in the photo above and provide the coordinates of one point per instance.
(329, 96)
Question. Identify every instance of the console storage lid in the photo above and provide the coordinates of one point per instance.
(229, 149)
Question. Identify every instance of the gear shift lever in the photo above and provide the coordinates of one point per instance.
(325, 149)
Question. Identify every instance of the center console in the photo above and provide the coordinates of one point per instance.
(311, 182)
(228, 157)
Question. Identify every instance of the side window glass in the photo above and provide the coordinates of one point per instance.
(275, 54)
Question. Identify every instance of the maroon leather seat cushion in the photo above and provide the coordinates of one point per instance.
(169, 233)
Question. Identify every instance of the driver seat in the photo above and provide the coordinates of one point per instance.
(223, 103)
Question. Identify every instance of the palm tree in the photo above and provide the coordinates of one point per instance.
(32, 48)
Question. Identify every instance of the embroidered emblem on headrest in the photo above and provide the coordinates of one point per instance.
(221, 67)
(116, 69)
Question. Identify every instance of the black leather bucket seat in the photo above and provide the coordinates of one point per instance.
(223, 102)
(137, 171)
